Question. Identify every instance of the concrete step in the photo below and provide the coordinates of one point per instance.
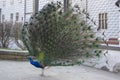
(13, 55)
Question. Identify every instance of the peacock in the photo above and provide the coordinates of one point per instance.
(57, 38)
(37, 64)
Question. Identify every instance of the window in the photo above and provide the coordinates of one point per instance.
(17, 16)
(102, 21)
(22, 18)
(11, 2)
(11, 16)
(3, 18)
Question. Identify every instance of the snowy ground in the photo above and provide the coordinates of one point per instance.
(110, 60)
(12, 70)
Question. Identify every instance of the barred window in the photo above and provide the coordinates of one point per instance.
(3, 18)
(11, 16)
(17, 16)
(22, 18)
(102, 21)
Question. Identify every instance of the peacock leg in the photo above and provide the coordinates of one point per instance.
(42, 72)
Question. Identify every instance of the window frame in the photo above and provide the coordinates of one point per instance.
(102, 20)
(17, 16)
(11, 16)
(3, 17)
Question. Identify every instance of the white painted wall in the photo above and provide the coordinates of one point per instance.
(12, 8)
(119, 27)
(108, 6)
(94, 8)
(19, 7)
(29, 6)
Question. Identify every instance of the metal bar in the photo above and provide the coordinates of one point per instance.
(66, 5)
(86, 9)
(24, 11)
(35, 6)
(0, 14)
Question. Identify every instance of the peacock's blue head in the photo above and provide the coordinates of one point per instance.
(29, 57)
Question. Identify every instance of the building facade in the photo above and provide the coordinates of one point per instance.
(18, 10)
(107, 17)
(21, 10)
(12, 10)
(104, 12)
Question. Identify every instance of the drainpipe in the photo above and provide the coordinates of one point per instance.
(67, 4)
(119, 24)
(24, 11)
(35, 6)
(118, 5)
(86, 9)
(119, 28)
(0, 14)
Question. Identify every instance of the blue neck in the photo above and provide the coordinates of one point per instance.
(31, 60)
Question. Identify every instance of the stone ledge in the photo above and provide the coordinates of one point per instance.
(13, 55)
(116, 48)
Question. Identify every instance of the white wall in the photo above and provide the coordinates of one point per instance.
(110, 60)
(19, 7)
(94, 8)
(16, 7)
(105, 6)
(41, 4)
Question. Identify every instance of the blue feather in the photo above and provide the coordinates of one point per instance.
(35, 63)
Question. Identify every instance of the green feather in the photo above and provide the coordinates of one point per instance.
(41, 56)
